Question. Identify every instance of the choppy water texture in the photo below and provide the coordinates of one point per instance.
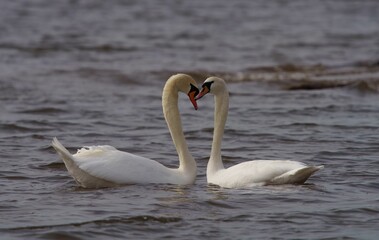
(304, 83)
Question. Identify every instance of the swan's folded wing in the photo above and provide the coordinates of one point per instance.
(121, 167)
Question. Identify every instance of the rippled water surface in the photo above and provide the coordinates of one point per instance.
(304, 83)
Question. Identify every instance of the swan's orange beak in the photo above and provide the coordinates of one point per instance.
(203, 91)
(192, 94)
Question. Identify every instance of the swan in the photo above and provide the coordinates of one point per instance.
(250, 173)
(105, 166)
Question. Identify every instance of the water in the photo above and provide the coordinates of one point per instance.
(304, 83)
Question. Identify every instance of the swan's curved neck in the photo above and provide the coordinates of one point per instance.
(220, 115)
(171, 113)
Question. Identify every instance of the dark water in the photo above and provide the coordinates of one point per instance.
(304, 83)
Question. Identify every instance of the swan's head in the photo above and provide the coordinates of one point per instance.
(186, 84)
(211, 85)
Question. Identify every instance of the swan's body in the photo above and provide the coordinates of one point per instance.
(246, 174)
(104, 166)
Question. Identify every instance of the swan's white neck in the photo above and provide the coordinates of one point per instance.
(170, 96)
(221, 98)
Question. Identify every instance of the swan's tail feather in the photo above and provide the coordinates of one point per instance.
(83, 178)
(297, 176)
(63, 153)
(67, 158)
(59, 147)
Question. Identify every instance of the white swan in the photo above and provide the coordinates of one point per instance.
(251, 173)
(105, 166)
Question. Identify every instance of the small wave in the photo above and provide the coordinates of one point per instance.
(12, 127)
(146, 218)
(361, 210)
(307, 125)
(314, 85)
(366, 86)
(238, 218)
(107, 221)
(100, 75)
(220, 204)
(106, 48)
(53, 165)
(14, 177)
(24, 127)
(43, 47)
(42, 110)
(60, 235)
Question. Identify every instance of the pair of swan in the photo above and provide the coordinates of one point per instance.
(105, 166)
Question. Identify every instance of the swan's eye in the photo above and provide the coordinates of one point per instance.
(194, 90)
(207, 85)
(206, 88)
